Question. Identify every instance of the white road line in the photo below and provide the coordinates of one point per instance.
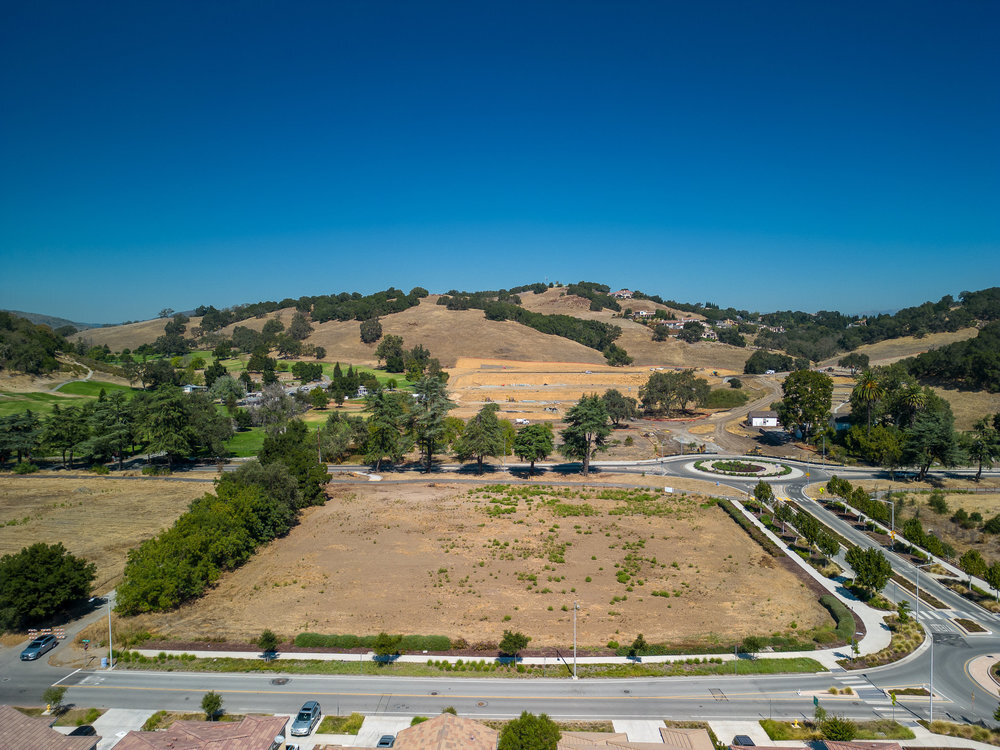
(67, 676)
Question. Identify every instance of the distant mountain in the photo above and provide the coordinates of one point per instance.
(52, 321)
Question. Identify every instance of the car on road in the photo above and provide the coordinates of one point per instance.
(41, 645)
(387, 740)
(306, 719)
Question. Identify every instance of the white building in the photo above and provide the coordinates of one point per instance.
(762, 419)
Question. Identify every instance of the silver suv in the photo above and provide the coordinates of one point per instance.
(41, 645)
(307, 719)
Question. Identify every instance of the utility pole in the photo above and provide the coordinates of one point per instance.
(111, 653)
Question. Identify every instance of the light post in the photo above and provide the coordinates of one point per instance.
(931, 636)
(576, 606)
(111, 653)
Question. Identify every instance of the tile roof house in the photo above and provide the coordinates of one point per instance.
(447, 732)
(19, 731)
(450, 732)
(250, 733)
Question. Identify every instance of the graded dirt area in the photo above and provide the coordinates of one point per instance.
(95, 518)
(470, 561)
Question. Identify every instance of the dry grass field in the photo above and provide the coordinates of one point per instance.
(969, 406)
(440, 558)
(893, 350)
(98, 519)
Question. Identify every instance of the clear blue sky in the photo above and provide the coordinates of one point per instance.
(768, 155)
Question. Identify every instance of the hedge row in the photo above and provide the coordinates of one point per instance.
(843, 616)
(408, 643)
(744, 523)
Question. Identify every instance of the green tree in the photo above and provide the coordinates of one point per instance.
(533, 443)
(931, 438)
(66, 430)
(751, 645)
(225, 387)
(53, 697)
(386, 645)
(390, 350)
(213, 372)
(299, 329)
(992, 577)
(267, 642)
(512, 642)
(318, 398)
(620, 408)
(806, 402)
(903, 611)
(19, 435)
(427, 416)
(271, 329)
(530, 732)
(666, 391)
(371, 330)
(972, 562)
(983, 445)
(869, 391)
(113, 427)
(871, 570)
(40, 581)
(294, 448)
(616, 356)
(211, 704)
(387, 414)
(638, 647)
(692, 332)
(763, 492)
(587, 427)
(838, 729)
(855, 361)
(482, 436)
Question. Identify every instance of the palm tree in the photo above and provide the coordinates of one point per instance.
(870, 391)
(913, 399)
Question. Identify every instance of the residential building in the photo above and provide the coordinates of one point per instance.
(622, 294)
(762, 419)
(250, 733)
(19, 730)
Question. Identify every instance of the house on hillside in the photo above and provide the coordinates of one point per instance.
(622, 294)
(19, 730)
(762, 419)
(362, 392)
(250, 733)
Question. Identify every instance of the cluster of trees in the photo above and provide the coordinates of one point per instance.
(26, 347)
(163, 421)
(598, 294)
(251, 506)
(665, 392)
(808, 527)
(899, 423)
(40, 581)
(761, 361)
(343, 306)
(594, 334)
(871, 570)
(415, 362)
(973, 364)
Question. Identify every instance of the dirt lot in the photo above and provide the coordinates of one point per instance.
(98, 519)
(440, 558)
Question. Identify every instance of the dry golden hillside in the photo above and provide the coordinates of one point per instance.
(893, 350)
(450, 334)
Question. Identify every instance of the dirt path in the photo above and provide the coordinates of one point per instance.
(57, 386)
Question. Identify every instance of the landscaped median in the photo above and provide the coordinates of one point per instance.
(436, 666)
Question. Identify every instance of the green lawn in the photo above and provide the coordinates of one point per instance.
(248, 444)
(92, 388)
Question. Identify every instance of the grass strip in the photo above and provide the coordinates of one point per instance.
(843, 616)
(341, 724)
(924, 596)
(473, 669)
(966, 731)
(879, 729)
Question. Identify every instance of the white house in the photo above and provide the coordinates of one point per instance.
(622, 294)
(362, 392)
(762, 419)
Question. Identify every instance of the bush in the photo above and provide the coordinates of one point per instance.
(211, 704)
(99, 469)
(25, 468)
(512, 642)
(839, 729)
(843, 616)
(723, 399)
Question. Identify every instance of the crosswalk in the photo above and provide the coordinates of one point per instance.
(879, 701)
(930, 615)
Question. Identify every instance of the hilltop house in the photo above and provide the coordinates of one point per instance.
(622, 294)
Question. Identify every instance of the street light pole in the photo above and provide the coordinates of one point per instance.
(111, 653)
(576, 606)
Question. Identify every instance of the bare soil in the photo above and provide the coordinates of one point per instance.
(438, 558)
(95, 518)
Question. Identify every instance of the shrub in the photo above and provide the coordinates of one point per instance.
(38, 582)
(99, 469)
(839, 729)
(25, 468)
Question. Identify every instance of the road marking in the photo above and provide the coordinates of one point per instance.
(66, 677)
(789, 695)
